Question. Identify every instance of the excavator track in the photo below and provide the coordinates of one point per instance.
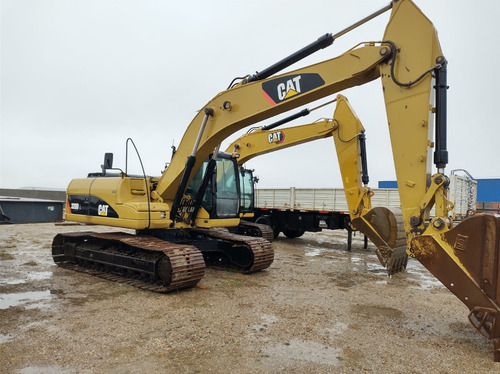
(221, 248)
(256, 229)
(141, 261)
(247, 254)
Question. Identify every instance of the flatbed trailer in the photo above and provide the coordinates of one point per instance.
(293, 211)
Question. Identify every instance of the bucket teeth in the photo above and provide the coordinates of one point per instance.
(484, 319)
(393, 259)
(384, 227)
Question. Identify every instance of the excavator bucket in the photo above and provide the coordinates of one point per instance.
(466, 260)
(384, 227)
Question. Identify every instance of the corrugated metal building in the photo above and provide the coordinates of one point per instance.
(34, 193)
(27, 210)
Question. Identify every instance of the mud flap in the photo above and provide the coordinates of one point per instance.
(466, 260)
(384, 227)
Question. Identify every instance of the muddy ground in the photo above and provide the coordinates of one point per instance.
(317, 309)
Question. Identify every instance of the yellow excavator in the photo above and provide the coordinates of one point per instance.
(178, 216)
(266, 139)
(382, 225)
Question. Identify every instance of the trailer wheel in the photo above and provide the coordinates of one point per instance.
(294, 233)
(266, 221)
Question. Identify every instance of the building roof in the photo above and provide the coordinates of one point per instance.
(27, 200)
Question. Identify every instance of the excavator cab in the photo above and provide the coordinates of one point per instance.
(247, 191)
(215, 188)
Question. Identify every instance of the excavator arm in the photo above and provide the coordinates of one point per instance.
(383, 226)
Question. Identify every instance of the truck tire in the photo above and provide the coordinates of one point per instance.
(294, 233)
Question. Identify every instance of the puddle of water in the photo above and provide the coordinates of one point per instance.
(422, 276)
(39, 275)
(314, 252)
(11, 281)
(355, 259)
(5, 338)
(286, 353)
(415, 272)
(330, 252)
(368, 262)
(30, 276)
(16, 299)
(377, 269)
(427, 283)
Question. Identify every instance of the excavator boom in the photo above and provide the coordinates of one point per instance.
(250, 103)
(262, 141)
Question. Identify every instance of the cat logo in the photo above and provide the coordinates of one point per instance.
(290, 86)
(276, 137)
(102, 210)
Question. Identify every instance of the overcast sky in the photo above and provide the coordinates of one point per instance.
(80, 77)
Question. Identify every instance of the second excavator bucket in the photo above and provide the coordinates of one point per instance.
(466, 259)
(385, 228)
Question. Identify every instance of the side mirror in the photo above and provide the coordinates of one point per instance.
(108, 161)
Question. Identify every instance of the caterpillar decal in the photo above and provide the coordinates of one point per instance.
(284, 88)
(90, 206)
(277, 137)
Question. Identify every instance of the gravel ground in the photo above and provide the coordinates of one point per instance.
(317, 309)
